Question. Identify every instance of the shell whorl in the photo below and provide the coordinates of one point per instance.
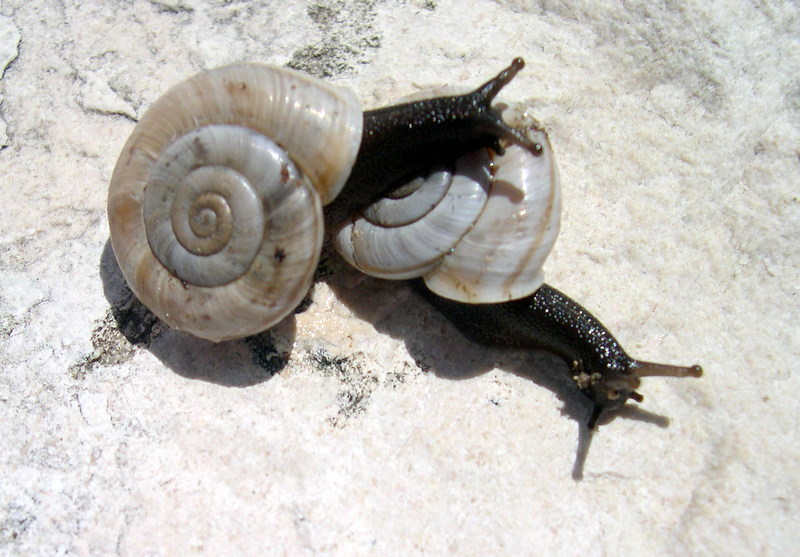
(478, 233)
(215, 205)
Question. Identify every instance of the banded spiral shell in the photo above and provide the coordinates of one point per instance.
(215, 205)
(477, 232)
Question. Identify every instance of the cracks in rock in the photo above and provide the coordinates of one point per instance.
(10, 39)
(171, 6)
(116, 337)
(96, 94)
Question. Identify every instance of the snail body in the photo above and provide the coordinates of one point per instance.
(219, 200)
(549, 320)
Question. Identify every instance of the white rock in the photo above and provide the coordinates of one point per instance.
(675, 126)
(9, 41)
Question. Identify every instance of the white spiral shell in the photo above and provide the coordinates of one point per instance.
(215, 203)
(478, 233)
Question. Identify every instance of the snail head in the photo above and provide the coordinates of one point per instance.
(615, 385)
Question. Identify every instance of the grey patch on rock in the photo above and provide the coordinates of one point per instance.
(98, 96)
(641, 36)
(15, 523)
(7, 324)
(171, 6)
(348, 33)
(684, 63)
(137, 324)
(265, 355)
(9, 49)
(356, 385)
(792, 99)
(394, 379)
(115, 338)
(9, 43)
(51, 457)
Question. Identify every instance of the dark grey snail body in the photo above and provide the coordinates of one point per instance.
(549, 320)
(239, 109)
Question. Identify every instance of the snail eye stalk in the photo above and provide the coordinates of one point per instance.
(652, 369)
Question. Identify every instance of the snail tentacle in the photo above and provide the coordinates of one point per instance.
(492, 119)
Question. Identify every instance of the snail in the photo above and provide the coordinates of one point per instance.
(216, 212)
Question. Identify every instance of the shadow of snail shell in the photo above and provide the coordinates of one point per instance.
(215, 205)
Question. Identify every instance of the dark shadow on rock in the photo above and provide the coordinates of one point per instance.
(396, 309)
(393, 308)
(237, 363)
(135, 322)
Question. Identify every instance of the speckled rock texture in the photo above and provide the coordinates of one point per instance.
(364, 424)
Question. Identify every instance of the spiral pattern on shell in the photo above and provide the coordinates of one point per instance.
(215, 205)
(478, 232)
